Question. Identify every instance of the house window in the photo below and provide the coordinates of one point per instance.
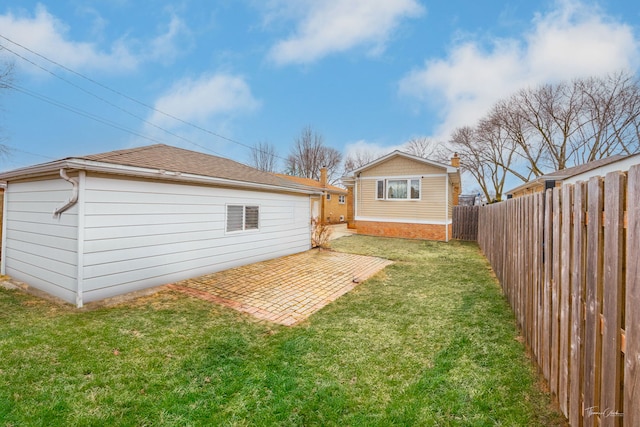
(242, 217)
(380, 189)
(328, 196)
(341, 199)
(398, 189)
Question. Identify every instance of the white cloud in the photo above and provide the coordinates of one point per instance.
(167, 46)
(47, 35)
(368, 149)
(573, 40)
(200, 100)
(329, 26)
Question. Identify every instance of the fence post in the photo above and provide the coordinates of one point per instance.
(593, 301)
(632, 311)
(614, 201)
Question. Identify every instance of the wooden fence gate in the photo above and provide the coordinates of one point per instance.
(465, 222)
(569, 264)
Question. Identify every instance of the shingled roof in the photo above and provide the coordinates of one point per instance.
(312, 183)
(574, 171)
(174, 159)
(171, 162)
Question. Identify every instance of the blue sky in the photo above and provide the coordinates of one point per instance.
(366, 74)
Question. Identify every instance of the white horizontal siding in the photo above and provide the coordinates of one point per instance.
(142, 233)
(41, 250)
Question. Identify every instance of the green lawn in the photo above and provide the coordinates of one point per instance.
(429, 341)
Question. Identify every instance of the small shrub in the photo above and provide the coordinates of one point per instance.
(320, 234)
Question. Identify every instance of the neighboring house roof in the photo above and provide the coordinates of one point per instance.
(453, 172)
(584, 171)
(165, 162)
(313, 183)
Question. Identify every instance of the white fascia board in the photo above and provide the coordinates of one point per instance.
(431, 175)
(112, 168)
(449, 168)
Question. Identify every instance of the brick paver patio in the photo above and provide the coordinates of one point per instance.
(285, 290)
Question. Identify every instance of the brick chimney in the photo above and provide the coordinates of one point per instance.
(455, 160)
(323, 176)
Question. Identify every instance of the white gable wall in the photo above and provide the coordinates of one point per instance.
(141, 233)
(39, 249)
(134, 234)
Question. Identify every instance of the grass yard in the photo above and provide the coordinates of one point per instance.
(430, 342)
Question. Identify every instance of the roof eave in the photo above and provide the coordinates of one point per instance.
(450, 169)
(113, 168)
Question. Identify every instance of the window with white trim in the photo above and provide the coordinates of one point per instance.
(398, 189)
(328, 196)
(380, 189)
(242, 217)
(341, 199)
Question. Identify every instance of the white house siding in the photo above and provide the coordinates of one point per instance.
(142, 233)
(430, 208)
(400, 166)
(39, 249)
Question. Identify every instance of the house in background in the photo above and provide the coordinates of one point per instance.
(91, 227)
(401, 195)
(574, 174)
(331, 206)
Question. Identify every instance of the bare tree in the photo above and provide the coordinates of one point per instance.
(264, 157)
(6, 80)
(6, 74)
(309, 154)
(566, 124)
(357, 159)
(487, 153)
(552, 127)
(421, 147)
(611, 116)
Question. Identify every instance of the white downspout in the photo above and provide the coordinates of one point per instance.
(74, 194)
(446, 208)
(5, 204)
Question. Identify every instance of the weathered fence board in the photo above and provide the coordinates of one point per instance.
(555, 293)
(568, 262)
(465, 222)
(632, 304)
(564, 291)
(593, 338)
(548, 246)
(612, 298)
(578, 265)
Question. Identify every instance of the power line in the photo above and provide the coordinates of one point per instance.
(119, 93)
(80, 112)
(106, 101)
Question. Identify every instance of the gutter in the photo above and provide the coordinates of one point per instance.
(113, 168)
(74, 194)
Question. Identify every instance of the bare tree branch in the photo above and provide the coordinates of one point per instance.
(357, 159)
(421, 147)
(552, 127)
(309, 155)
(264, 157)
(6, 79)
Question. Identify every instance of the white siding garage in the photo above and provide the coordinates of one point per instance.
(139, 228)
(37, 249)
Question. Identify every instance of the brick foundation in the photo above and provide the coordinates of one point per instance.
(403, 230)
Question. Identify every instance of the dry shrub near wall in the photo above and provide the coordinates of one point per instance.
(320, 234)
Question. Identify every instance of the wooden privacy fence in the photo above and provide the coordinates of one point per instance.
(465, 222)
(569, 264)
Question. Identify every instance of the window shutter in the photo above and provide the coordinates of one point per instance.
(234, 217)
(251, 218)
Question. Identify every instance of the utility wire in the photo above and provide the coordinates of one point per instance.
(82, 113)
(193, 125)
